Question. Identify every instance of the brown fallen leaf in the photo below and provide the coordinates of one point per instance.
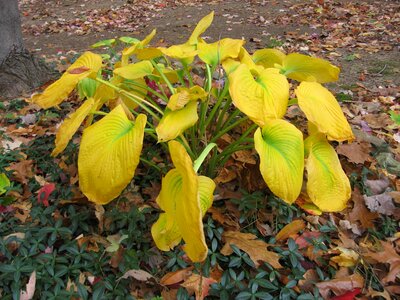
(339, 286)
(137, 274)
(198, 285)
(360, 212)
(290, 229)
(388, 255)
(357, 152)
(22, 170)
(176, 277)
(256, 249)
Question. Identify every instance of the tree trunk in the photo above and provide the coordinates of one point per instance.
(20, 71)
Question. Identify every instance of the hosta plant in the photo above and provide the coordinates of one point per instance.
(157, 91)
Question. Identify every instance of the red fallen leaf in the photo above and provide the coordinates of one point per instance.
(79, 70)
(5, 209)
(306, 238)
(44, 193)
(348, 296)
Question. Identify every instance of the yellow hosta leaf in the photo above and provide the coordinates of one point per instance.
(322, 109)
(148, 53)
(306, 68)
(327, 185)
(86, 65)
(165, 231)
(230, 64)
(280, 147)
(268, 58)
(189, 215)
(135, 47)
(183, 52)
(262, 98)
(108, 155)
(206, 191)
(184, 96)
(170, 73)
(135, 71)
(174, 123)
(183, 195)
(217, 52)
(71, 125)
(200, 28)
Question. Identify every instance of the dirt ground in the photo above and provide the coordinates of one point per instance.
(359, 36)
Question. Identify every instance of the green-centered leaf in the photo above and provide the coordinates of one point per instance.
(217, 52)
(135, 71)
(86, 65)
(280, 147)
(322, 109)
(328, 186)
(175, 122)
(260, 98)
(70, 125)
(306, 68)
(4, 183)
(108, 155)
(268, 58)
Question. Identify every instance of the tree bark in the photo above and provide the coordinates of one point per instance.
(20, 71)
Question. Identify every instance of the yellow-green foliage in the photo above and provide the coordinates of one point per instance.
(154, 88)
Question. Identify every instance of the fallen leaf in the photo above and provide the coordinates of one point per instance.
(346, 258)
(356, 152)
(382, 204)
(340, 286)
(176, 277)
(30, 288)
(198, 285)
(377, 186)
(360, 212)
(388, 255)
(22, 170)
(350, 295)
(307, 238)
(44, 193)
(247, 242)
(310, 277)
(137, 274)
(290, 229)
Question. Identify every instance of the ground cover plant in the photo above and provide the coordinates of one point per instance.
(176, 106)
